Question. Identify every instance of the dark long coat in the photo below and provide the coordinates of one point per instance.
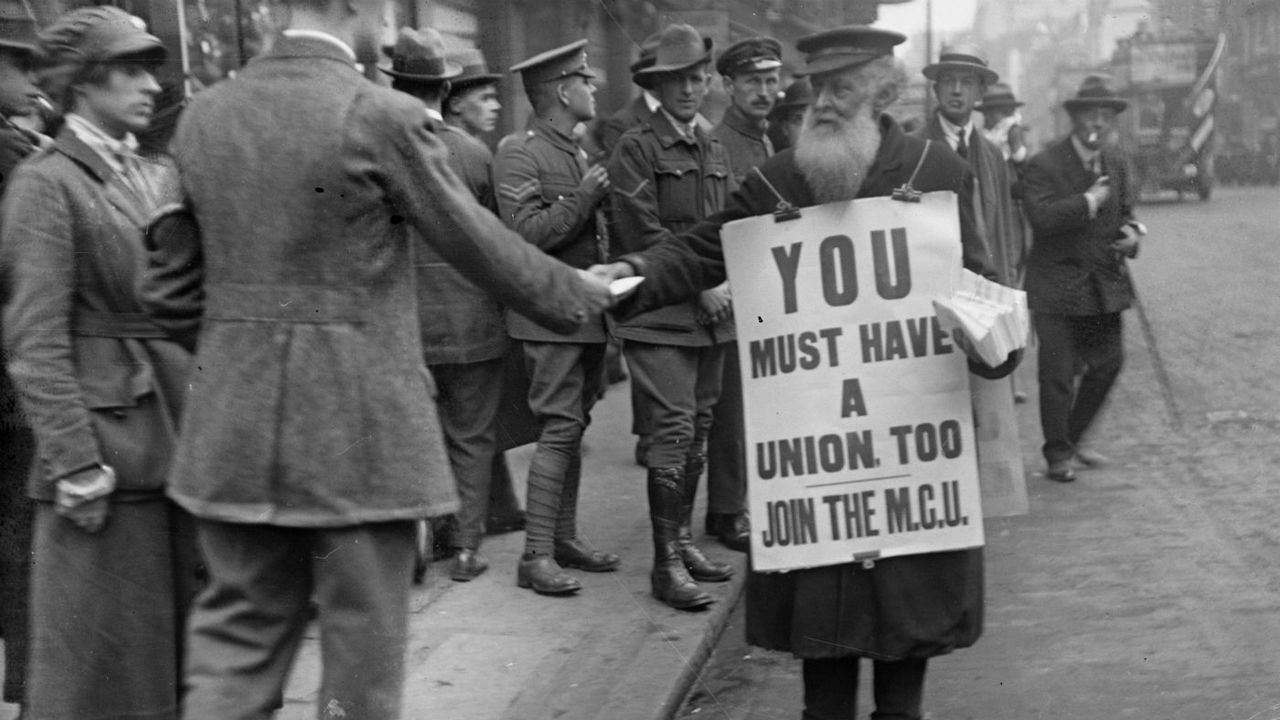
(913, 606)
(312, 406)
(999, 220)
(1072, 269)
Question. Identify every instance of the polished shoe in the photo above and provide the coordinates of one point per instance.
(468, 565)
(502, 525)
(671, 584)
(1091, 458)
(576, 554)
(733, 529)
(544, 576)
(1061, 471)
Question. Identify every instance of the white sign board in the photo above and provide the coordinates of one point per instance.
(859, 424)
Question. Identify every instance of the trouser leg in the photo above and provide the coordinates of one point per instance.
(830, 688)
(470, 394)
(726, 443)
(362, 587)
(591, 362)
(710, 361)
(1057, 369)
(899, 689)
(246, 624)
(504, 506)
(558, 381)
(1101, 344)
(17, 450)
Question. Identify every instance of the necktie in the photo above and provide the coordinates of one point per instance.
(962, 148)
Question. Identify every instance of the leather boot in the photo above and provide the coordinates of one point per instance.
(700, 566)
(670, 581)
(570, 552)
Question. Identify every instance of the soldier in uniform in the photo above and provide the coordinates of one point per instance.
(18, 93)
(749, 69)
(463, 338)
(668, 174)
(549, 195)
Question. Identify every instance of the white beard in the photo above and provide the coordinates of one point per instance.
(834, 160)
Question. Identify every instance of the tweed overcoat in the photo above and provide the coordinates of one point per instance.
(310, 405)
(98, 382)
(1072, 269)
(538, 175)
(998, 217)
(912, 606)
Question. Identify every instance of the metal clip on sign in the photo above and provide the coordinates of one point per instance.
(908, 193)
(868, 559)
(785, 210)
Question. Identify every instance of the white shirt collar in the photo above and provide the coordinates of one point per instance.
(323, 36)
(952, 131)
(109, 148)
(651, 101)
(1086, 155)
(435, 115)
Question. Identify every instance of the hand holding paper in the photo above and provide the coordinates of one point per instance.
(987, 320)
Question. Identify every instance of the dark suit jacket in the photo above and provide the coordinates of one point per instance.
(1072, 269)
(99, 383)
(460, 321)
(998, 217)
(312, 405)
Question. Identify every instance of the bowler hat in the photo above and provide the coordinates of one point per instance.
(475, 71)
(419, 55)
(963, 58)
(98, 34)
(749, 55)
(799, 95)
(1094, 92)
(679, 47)
(18, 27)
(999, 95)
(845, 47)
(555, 64)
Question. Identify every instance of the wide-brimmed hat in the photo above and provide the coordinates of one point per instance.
(475, 71)
(799, 95)
(845, 47)
(98, 34)
(962, 58)
(419, 55)
(999, 95)
(18, 30)
(1095, 91)
(679, 47)
(750, 55)
(648, 51)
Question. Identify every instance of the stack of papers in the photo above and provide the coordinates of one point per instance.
(994, 317)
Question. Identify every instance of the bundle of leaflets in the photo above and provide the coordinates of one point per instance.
(994, 317)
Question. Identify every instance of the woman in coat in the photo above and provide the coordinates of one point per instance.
(113, 560)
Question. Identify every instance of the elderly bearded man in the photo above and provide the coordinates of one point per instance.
(902, 610)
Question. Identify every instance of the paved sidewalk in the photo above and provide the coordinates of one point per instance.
(488, 650)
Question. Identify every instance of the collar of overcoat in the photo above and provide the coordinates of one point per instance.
(738, 121)
(667, 133)
(552, 134)
(118, 194)
(304, 47)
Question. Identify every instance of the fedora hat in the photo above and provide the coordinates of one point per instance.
(475, 71)
(845, 47)
(1095, 91)
(999, 95)
(799, 95)
(419, 55)
(679, 47)
(18, 27)
(648, 49)
(962, 58)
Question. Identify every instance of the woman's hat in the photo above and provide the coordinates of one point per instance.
(98, 34)
(419, 55)
(1094, 92)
